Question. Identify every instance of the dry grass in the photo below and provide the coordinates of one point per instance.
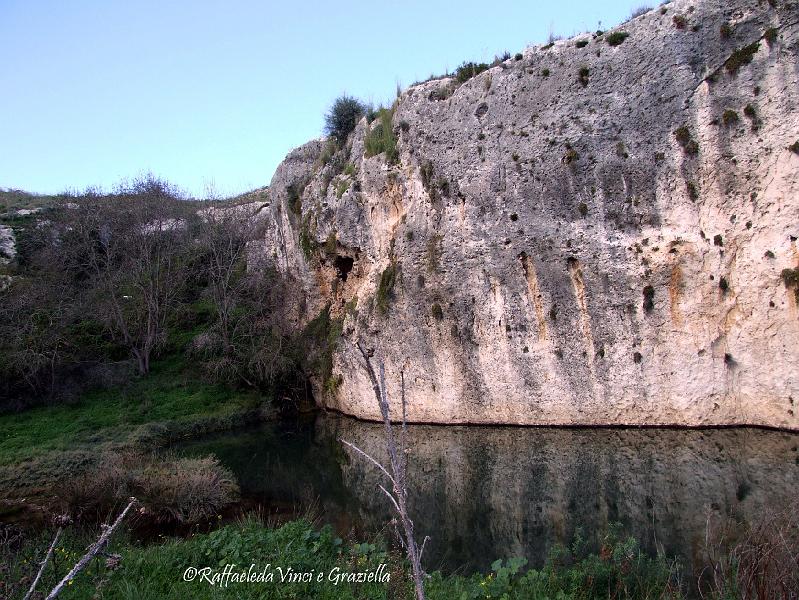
(171, 489)
(760, 562)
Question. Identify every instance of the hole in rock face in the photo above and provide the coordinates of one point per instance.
(343, 265)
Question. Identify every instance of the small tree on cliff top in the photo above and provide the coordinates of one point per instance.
(343, 116)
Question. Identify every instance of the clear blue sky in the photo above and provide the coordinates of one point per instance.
(200, 91)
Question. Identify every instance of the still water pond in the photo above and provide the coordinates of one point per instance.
(483, 493)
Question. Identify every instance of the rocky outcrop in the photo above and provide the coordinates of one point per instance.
(8, 245)
(587, 233)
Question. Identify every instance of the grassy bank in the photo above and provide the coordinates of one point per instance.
(40, 446)
(157, 571)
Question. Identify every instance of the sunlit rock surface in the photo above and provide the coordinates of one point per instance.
(585, 235)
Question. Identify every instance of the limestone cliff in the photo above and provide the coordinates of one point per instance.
(591, 232)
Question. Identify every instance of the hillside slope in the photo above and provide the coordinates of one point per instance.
(591, 233)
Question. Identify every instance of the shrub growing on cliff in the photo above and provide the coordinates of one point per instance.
(794, 147)
(381, 137)
(583, 76)
(385, 289)
(616, 38)
(343, 116)
(437, 311)
(468, 70)
(729, 117)
(742, 56)
(684, 139)
(790, 278)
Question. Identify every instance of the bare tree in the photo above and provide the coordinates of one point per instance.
(246, 342)
(224, 236)
(128, 249)
(397, 471)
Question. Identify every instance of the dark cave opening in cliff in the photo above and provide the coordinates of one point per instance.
(343, 265)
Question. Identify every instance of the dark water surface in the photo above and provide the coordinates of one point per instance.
(483, 493)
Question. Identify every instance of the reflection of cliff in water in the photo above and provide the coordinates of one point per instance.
(483, 493)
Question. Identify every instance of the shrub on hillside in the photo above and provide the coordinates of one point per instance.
(381, 137)
(343, 116)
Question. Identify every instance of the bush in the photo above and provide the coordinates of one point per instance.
(739, 58)
(581, 43)
(437, 311)
(343, 116)
(794, 147)
(583, 76)
(385, 289)
(468, 70)
(616, 38)
(171, 489)
(771, 35)
(684, 139)
(790, 277)
(729, 117)
(693, 193)
(381, 137)
(679, 21)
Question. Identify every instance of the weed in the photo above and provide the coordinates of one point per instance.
(693, 193)
(468, 70)
(582, 76)
(739, 58)
(771, 36)
(381, 138)
(385, 289)
(616, 38)
(729, 117)
(437, 311)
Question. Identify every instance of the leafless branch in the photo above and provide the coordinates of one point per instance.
(397, 471)
(44, 563)
(93, 550)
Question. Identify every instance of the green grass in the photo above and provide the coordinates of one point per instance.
(41, 446)
(170, 393)
(154, 572)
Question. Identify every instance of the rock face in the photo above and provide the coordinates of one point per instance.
(587, 233)
(8, 246)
